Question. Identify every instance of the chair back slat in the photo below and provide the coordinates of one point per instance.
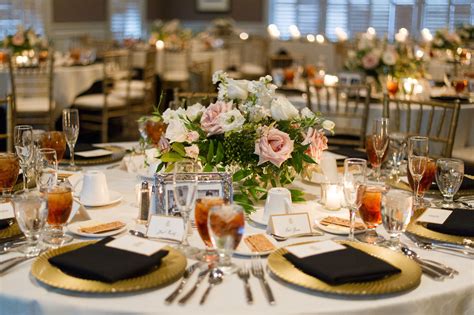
(430, 120)
(9, 122)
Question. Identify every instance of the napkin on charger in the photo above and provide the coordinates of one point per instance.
(460, 222)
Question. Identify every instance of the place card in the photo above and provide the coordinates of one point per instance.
(93, 153)
(289, 224)
(6, 211)
(166, 227)
(305, 250)
(437, 216)
(135, 244)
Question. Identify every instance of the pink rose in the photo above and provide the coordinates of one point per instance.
(273, 146)
(163, 145)
(18, 39)
(192, 136)
(317, 143)
(192, 151)
(370, 61)
(209, 120)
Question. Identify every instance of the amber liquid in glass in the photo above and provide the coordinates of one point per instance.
(370, 208)
(201, 214)
(59, 205)
(427, 178)
(371, 155)
(392, 87)
(459, 85)
(55, 140)
(9, 170)
(228, 227)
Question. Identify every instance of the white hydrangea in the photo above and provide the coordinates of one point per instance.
(170, 114)
(194, 111)
(231, 120)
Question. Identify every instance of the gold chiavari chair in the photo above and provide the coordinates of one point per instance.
(254, 57)
(348, 105)
(190, 98)
(96, 110)
(201, 76)
(32, 92)
(436, 120)
(175, 69)
(8, 120)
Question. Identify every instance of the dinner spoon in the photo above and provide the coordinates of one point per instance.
(215, 277)
(281, 238)
(445, 270)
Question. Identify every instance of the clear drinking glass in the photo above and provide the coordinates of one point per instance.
(226, 225)
(449, 176)
(71, 130)
(23, 139)
(185, 180)
(380, 141)
(9, 170)
(397, 210)
(46, 169)
(418, 147)
(59, 202)
(31, 213)
(398, 144)
(355, 171)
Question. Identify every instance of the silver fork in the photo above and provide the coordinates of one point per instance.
(259, 273)
(244, 274)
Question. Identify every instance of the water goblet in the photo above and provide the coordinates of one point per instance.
(397, 210)
(23, 139)
(417, 161)
(354, 176)
(449, 177)
(30, 213)
(398, 143)
(59, 202)
(46, 169)
(9, 170)
(71, 131)
(226, 226)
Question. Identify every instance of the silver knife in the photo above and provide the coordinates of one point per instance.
(187, 274)
(201, 276)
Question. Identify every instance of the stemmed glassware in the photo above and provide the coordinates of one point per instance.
(380, 141)
(417, 161)
(46, 169)
(185, 181)
(355, 171)
(397, 210)
(226, 227)
(398, 144)
(71, 130)
(31, 213)
(23, 139)
(9, 170)
(449, 177)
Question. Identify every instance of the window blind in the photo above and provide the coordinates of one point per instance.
(28, 13)
(126, 18)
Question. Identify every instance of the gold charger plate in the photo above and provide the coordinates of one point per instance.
(117, 154)
(12, 230)
(421, 231)
(172, 268)
(409, 277)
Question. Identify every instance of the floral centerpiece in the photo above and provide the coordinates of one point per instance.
(466, 33)
(262, 139)
(24, 40)
(446, 40)
(171, 33)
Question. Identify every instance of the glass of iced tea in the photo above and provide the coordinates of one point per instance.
(370, 210)
(459, 85)
(226, 228)
(9, 170)
(54, 140)
(59, 201)
(425, 182)
(392, 86)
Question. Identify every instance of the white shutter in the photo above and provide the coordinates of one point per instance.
(29, 13)
(336, 16)
(284, 15)
(379, 16)
(308, 16)
(126, 18)
(359, 13)
(435, 14)
(462, 13)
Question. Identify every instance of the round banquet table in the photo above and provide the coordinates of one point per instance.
(21, 293)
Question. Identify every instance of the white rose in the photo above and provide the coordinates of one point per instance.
(195, 111)
(192, 151)
(389, 57)
(170, 114)
(329, 125)
(237, 89)
(307, 113)
(176, 131)
(282, 109)
(231, 120)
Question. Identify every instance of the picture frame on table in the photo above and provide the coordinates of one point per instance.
(212, 6)
(218, 184)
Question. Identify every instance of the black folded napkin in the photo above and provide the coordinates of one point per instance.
(106, 264)
(460, 223)
(4, 223)
(81, 147)
(349, 152)
(343, 266)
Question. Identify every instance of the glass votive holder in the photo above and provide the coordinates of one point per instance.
(332, 196)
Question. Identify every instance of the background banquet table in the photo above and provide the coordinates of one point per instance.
(21, 293)
(69, 82)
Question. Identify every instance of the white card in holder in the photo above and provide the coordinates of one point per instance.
(166, 227)
(289, 224)
(305, 250)
(135, 244)
(6, 211)
(437, 216)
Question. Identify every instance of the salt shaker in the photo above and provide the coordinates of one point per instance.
(144, 204)
(154, 205)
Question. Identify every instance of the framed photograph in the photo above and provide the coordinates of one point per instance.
(213, 5)
(209, 185)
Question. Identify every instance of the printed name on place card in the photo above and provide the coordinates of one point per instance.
(289, 224)
(166, 227)
(437, 216)
(6, 211)
(305, 250)
(136, 245)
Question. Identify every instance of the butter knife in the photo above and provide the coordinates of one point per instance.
(187, 274)
(201, 277)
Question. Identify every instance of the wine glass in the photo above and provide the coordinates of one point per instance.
(417, 161)
(397, 210)
(31, 213)
(185, 180)
(46, 169)
(449, 176)
(354, 176)
(398, 144)
(71, 130)
(380, 140)
(9, 170)
(23, 139)
(59, 202)
(226, 226)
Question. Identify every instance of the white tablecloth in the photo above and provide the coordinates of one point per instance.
(20, 293)
(68, 83)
